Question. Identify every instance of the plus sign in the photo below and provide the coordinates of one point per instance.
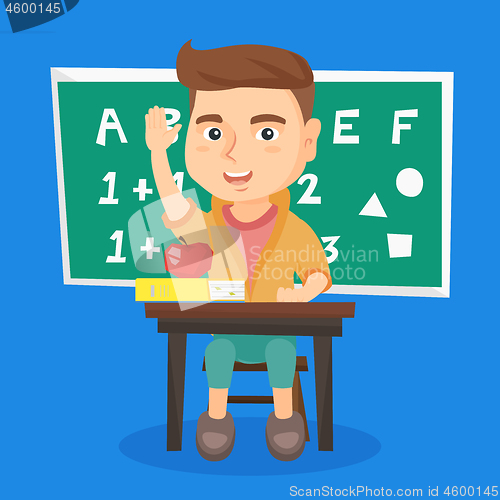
(142, 190)
(150, 248)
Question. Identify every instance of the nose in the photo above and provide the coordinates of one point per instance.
(227, 152)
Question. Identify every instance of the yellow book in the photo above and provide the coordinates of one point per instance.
(188, 290)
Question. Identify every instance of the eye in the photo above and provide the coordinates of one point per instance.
(267, 134)
(212, 133)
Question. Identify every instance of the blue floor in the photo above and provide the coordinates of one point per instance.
(83, 404)
(147, 446)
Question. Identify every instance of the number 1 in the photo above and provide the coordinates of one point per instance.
(117, 257)
(109, 200)
(179, 180)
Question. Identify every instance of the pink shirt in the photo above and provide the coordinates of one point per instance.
(253, 235)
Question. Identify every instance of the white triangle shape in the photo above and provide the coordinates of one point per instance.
(373, 208)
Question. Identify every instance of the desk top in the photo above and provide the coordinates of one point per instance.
(289, 310)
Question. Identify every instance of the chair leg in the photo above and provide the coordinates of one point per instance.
(298, 402)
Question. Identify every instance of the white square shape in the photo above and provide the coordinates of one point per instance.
(399, 245)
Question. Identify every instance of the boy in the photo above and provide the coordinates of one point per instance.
(249, 138)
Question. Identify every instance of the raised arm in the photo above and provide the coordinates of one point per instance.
(158, 140)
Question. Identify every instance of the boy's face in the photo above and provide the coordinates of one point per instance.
(247, 143)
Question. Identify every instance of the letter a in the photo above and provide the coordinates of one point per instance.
(105, 125)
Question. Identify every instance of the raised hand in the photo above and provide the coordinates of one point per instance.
(158, 138)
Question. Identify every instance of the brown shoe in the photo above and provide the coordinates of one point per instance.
(215, 437)
(285, 438)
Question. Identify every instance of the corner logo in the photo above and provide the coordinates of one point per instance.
(26, 15)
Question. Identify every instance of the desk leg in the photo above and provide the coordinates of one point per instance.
(324, 391)
(176, 369)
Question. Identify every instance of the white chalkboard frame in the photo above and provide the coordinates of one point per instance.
(170, 75)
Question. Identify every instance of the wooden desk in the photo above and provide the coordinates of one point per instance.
(321, 320)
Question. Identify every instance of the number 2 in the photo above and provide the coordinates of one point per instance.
(306, 198)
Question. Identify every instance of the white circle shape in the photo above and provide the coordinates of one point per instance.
(410, 182)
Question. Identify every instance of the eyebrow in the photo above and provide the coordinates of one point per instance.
(209, 118)
(267, 118)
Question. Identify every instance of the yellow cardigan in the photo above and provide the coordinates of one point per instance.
(292, 248)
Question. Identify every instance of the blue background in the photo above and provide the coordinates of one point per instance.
(82, 368)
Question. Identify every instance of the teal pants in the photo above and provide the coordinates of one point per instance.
(278, 352)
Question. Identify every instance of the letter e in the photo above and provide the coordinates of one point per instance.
(338, 138)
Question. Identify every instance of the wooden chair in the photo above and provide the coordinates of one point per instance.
(298, 400)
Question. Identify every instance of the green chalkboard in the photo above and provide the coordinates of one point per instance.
(381, 204)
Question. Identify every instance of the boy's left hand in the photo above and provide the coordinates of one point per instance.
(314, 285)
(291, 295)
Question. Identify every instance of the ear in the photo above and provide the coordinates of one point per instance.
(311, 133)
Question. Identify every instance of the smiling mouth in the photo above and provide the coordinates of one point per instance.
(238, 179)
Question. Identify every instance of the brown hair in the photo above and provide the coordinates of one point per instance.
(237, 66)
